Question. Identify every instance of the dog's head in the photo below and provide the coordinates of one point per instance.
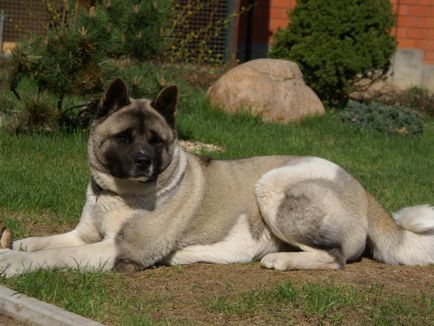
(133, 139)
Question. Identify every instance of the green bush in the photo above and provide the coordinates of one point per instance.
(337, 43)
(75, 59)
(81, 53)
(68, 60)
(143, 27)
(34, 112)
(384, 118)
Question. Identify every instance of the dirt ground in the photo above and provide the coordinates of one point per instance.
(181, 294)
(182, 291)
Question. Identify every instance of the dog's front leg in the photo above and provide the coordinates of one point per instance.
(68, 239)
(85, 233)
(90, 257)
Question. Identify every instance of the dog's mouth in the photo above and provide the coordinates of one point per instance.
(141, 179)
(143, 176)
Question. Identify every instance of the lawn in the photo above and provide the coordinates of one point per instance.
(42, 186)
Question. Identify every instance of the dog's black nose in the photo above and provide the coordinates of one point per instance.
(142, 160)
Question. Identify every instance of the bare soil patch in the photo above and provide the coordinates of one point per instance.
(183, 294)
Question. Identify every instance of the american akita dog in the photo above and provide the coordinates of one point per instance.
(149, 202)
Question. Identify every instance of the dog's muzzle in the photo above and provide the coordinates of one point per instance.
(142, 161)
(143, 167)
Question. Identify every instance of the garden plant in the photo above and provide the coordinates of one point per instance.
(337, 44)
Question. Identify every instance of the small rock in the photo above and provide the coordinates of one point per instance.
(198, 147)
(6, 236)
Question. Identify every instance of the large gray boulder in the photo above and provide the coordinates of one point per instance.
(271, 88)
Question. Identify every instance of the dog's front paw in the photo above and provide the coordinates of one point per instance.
(13, 263)
(6, 236)
(126, 265)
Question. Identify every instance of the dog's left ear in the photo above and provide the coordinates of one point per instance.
(115, 97)
(165, 104)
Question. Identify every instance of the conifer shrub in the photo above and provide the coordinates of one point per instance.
(337, 43)
(384, 118)
(85, 48)
(76, 58)
(144, 26)
(33, 113)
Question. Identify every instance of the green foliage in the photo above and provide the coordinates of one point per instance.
(136, 28)
(142, 79)
(65, 61)
(85, 48)
(37, 112)
(337, 43)
(383, 118)
(75, 58)
(143, 26)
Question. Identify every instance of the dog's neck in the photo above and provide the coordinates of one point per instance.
(164, 183)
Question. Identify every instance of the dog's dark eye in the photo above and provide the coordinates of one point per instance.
(124, 137)
(156, 139)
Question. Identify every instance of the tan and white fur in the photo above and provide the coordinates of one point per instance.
(151, 203)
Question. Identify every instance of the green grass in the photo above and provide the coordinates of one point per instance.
(43, 180)
(49, 173)
(327, 303)
(104, 297)
(43, 174)
(89, 294)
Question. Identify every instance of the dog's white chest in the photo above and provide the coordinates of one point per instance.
(109, 213)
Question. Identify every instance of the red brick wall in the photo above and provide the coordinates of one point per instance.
(415, 23)
(279, 13)
(415, 26)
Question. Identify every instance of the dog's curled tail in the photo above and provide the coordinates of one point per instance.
(405, 237)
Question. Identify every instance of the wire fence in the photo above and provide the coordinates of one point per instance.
(23, 17)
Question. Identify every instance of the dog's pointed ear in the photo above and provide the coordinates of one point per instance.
(115, 97)
(165, 104)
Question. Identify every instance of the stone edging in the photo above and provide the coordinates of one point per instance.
(35, 312)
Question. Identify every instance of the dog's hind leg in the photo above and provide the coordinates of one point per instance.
(314, 214)
(301, 223)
